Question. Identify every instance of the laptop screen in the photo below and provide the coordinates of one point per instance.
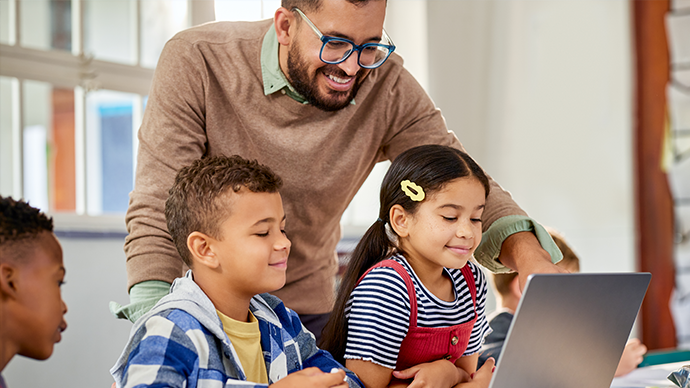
(569, 330)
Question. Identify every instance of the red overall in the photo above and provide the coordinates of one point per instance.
(426, 344)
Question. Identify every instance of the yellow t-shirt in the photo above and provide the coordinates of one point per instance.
(246, 339)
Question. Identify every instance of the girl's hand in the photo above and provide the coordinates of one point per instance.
(482, 377)
(440, 373)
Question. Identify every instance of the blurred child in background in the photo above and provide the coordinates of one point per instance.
(508, 297)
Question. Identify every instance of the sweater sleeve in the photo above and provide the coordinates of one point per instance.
(171, 136)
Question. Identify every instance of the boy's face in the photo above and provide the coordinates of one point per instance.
(41, 309)
(253, 248)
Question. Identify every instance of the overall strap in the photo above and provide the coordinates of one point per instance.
(390, 263)
(471, 285)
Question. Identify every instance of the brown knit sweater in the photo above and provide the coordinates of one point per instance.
(207, 98)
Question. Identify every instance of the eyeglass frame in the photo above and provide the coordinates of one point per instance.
(355, 47)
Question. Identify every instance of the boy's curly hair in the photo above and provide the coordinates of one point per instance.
(196, 203)
(19, 222)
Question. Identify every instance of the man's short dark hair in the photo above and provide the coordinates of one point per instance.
(195, 202)
(313, 5)
(20, 224)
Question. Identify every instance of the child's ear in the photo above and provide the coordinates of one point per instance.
(399, 220)
(8, 276)
(201, 247)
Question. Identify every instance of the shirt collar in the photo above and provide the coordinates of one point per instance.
(273, 77)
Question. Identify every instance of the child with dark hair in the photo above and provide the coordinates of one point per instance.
(31, 273)
(218, 327)
(411, 303)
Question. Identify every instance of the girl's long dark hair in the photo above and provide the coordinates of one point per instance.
(428, 166)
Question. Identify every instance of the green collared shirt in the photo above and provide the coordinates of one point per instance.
(274, 79)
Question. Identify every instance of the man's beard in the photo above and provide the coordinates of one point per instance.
(307, 86)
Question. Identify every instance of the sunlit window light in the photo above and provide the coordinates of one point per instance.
(245, 10)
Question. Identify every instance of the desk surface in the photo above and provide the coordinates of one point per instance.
(649, 376)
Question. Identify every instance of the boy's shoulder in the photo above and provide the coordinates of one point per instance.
(172, 339)
(272, 310)
(182, 319)
(185, 310)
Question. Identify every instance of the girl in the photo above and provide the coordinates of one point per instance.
(411, 303)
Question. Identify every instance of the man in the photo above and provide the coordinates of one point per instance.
(317, 95)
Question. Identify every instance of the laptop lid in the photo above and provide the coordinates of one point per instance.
(569, 330)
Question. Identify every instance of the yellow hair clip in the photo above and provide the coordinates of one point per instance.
(413, 191)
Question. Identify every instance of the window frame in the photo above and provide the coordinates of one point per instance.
(83, 73)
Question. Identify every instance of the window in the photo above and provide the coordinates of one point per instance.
(73, 82)
(245, 10)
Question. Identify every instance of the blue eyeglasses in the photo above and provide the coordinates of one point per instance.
(336, 50)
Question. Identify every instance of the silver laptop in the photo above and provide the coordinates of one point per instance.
(569, 330)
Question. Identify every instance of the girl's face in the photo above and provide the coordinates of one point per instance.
(447, 227)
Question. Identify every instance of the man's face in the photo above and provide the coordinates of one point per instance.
(331, 87)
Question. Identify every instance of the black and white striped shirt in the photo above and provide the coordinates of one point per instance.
(378, 312)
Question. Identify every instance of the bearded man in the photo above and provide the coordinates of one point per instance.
(318, 95)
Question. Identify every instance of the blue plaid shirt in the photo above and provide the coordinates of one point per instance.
(181, 343)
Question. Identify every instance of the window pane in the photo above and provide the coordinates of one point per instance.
(46, 24)
(160, 20)
(6, 22)
(48, 147)
(108, 30)
(6, 138)
(245, 10)
(110, 151)
(364, 208)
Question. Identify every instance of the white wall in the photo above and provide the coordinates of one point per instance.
(539, 92)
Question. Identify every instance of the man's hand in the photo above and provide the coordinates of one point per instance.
(313, 378)
(440, 373)
(522, 253)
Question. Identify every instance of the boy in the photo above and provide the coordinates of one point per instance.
(217, 327)
(31, 273)
(508, 297)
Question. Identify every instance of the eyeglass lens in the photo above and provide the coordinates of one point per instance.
(335, 51)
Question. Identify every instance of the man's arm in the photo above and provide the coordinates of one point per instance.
(523, 253)
(415, 121)
(171, 136)
(518, 243)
